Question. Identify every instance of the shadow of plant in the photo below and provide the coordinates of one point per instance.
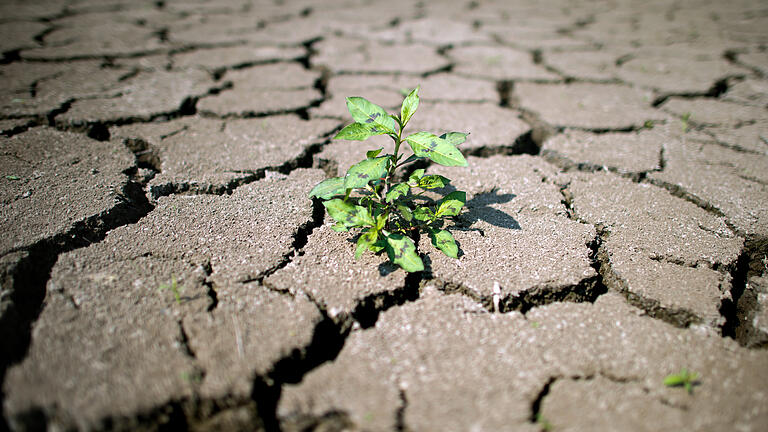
(480, 209)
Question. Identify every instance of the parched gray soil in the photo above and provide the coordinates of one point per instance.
(162, 268)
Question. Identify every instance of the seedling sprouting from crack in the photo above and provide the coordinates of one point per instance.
(683, 379)
(685, 122)
(543, 423)
(174, 287)
(389, 212)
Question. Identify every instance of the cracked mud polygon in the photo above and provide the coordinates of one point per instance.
(162, 268)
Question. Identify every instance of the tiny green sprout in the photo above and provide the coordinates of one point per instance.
(174, 287)
(535, 324)
(12, 177)
(543, 422)
(193, 377)
(685, 122)
(390, 210)
(648, 124)
(682, 379)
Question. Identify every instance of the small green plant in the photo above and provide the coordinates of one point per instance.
(682, 379)
(389, 211)
(545, 425)
(174, 287)
(685, 122)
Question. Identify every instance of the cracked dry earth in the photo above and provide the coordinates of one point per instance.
(616, 227)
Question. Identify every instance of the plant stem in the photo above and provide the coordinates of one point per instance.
(392, 166)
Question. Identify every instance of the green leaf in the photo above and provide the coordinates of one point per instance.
(402, 252)
(414, 178)
(12, 177)
(381, 221)
(439, 150)
(366, 240)
(444, 241)
(410, 104)
(405, 212)
(454, 138)
(451, 204)
(348, 215)
(398, 190)
(673, 380)
(356, 132)
(339, 227)
(370, 114)
(379, 246)
(433, 181)
(410, 159)
(370, 154)
(365, 171)
(328, 188)
(422, 213)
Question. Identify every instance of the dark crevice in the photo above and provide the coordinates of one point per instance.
(195, 413)
(162, 35)
(304, 160)
(218, 73)
(610, 280)
(128, 75)
(367, 311)
(211, 290)
(599, 131)
(102, 57)
(302, 112)
(99, 132)
(300, 239)
(329, 166)
(587, 290)
(400, 425)
(680, 192)
(146, 155)
(100, 129)
(327, 341)
(504, 88)
(309, 47)
(732, 57)
(536, 404)
(321, 84)
(330, 421)
(740, 309)
(444, 69)
(184, 341)
(540, 130)
(568, 165)
(26, 281)
(10, 56)
(20, 128)
(728, 308)
(716, 90)
(677, 317)
(64, 107)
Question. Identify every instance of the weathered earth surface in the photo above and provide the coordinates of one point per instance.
(162, 267)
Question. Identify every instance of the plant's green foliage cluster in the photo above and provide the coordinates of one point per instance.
(174, 287)
(389, 212)
(684, 379)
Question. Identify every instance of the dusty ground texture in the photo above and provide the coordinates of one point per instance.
(162, 268)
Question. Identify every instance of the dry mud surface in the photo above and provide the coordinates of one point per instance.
(162, 268)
